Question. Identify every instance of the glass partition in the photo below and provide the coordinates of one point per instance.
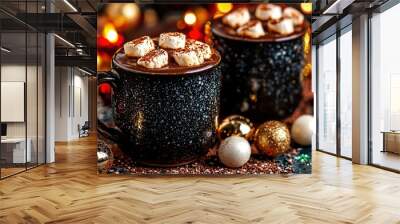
(22, 87)
(31, 98)
(14, 153)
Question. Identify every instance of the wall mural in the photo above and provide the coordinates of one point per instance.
(211, 89)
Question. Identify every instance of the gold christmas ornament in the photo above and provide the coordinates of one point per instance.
(272, 138)
(235, 125)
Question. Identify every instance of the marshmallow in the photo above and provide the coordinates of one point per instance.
(187, 57)
(294, 14)
(253, 29)
(268, 11)
(139, 47)
(202, 49)
(284, 27)
(237, 18)
(154, 59)
(172, 40)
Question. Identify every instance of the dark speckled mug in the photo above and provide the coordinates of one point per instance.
(163, 117)
(261, 78)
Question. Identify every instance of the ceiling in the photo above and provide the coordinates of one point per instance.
(72, 20)
(332, 15)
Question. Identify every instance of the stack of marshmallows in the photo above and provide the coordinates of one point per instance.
(278, 20)
(185, 52)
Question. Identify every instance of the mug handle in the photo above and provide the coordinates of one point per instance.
(111, 133)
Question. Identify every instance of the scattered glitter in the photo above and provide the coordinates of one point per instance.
(209, 165)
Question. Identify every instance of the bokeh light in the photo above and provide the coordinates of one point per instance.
(98, 60)
(307, 70)
(105, 89)
(306, 8)
(224, 7)
(110, 33)
(103, 61)
(150, 18)
(190, 18)
(180, 25)
(130, 10)
(307, 39)
(201, 14)
(207, 33)
(123, 15)
(195, 34)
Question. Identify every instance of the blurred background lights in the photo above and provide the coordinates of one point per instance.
(195, 34)
(190, 18)
(307, 40)
(150, 18)
(98, 60)
(120, 22)
(202, 15)
(110, 33)
(306, 8)
(180, 25)
(130, 10)
(224, 7)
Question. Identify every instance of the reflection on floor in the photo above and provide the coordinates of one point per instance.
(387, 159)
(70, 191)
(10, 169)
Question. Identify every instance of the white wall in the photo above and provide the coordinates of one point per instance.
(70, 83)
(62, 81)
(80, 94)
(16, 72)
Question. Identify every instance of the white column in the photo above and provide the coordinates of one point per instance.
(50, 92)
(314, 90)
(50, 98)
(360, 90)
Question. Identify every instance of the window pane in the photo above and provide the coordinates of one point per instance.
(327, 96)
(385, 89)
(346, 93)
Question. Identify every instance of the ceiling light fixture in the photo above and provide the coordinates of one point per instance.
(337, 7)
(70, 5)
(84, 71)
(331, 7)
(5, 50)
(64, 40)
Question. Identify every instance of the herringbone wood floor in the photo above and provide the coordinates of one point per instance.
(70, 191)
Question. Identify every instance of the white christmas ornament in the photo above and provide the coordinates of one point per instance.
(303, 130)
(234, 151)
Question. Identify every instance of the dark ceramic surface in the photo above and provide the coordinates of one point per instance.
(164, 120)
(261, 79)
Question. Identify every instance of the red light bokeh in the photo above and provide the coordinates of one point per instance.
(105, 89)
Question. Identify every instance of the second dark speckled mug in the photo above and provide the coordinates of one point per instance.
(163, 117)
